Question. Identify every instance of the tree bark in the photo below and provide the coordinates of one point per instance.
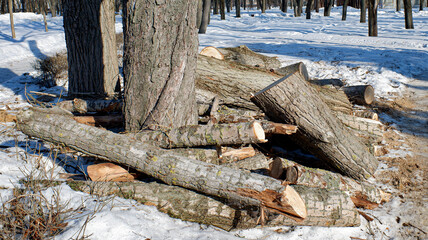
(408, 14)
(238, 8)
(324, 208)
(12, 26)
(205, 16)
(362, 124)
(360, 94)
(373, 4)
(53, 7)
(199, 13)
(216, 6)
(242, 189)
(246, 56)
(363, 8)
(159, 64)
(328, 4)
(308, 9)
(263, 7)
(204, 135)
(397, 5)
(222, 10)
(344, 10)
(335, 98)
(284, 5)
(91, 47)
(292, 100)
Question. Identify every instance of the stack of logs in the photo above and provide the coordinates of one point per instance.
(223, 172)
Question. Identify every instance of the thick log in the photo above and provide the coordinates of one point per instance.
(292, 100)
(212, 52)
(246, 56)
(290, 69)
(335, 98)
(241, 189)
(325, 208)
(362, 124)
(360, 94)
(205, 135)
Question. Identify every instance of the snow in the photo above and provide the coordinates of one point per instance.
(329, 47)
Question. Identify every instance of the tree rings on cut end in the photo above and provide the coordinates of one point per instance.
(212, 52)
(259, 132)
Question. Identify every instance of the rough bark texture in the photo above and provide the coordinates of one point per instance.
(324, 208)
(85, 106)
(241, 189)
(292, 100)
(204, 135)
(372, 10)
(12, 26)
(363, 9)
(408, 17)
(335, 98)
(91, 47)
(362, 124)
(206, 11)
(300, 67)
(328, 4)
(360, 94)
(238, 8)
(246, 56)
(160, 48)
(344, 10)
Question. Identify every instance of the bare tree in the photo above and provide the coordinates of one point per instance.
(344, 10)
(238, 8)
(408, 14)
(222, 10)
(12, 26)
(363, 8)
(206, 10)
(373, 4)
(159, 63)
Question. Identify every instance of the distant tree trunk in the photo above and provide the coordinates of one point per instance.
(363, 8)
(421, 5)
(159, 64)
(408, 14)
(300, 7)
(199, 13)
(284, 5)
(228, 5)
(263, 7)
(238, 8)
(91, 47)
(222, 10)
(3, 6)
(244, 3)
(317, 5)
(53, 7)
(12, 26)
(42, 7)
(215, 10)
(373, 4)
(344, 10)
(328, 4)
(117, 5)
(206, 10)
(251, 4)
(296, 10)
(308, 9)
(397, 5)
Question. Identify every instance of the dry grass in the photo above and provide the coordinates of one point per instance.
(52, 68)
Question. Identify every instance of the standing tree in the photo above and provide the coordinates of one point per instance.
(206, 10)
(284, 5)
(373, 4)
(238, 8)
(12, 26)
(344, 10)
(91, 47)
(160, 52)
(309, 9)
(363, 8)
(397, 5)
(408, 14)
(222, 13)
(263, 6)
(328, 4)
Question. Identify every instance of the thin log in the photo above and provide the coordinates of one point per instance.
(84, 106)
(231, 155)
(292, 100)
(360, 94)
(362, 124)
(331, 81)
(325, 208)
(101, 121)
(205, 135)
(241, 189)
(108, 172)
(258, 162)
(366, 114)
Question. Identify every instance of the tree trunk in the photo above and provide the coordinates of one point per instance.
(421, 5)
(222, 10)
(238, 8)
(335, 208)
(216, 6)
(373, 4)
(360, 94)
(91, 47)
(408, 14)
(284, 5)
(159, 64)
(292, 100)
(228, 5)
(241, 189)
(317, 5)
(263, 6)
(308, 9)
(246, 56)
(363, 8)
(12, 26)
(3, 6)
(328, 4)
(344, 10)
(53, 7)
(335, 98)
(199, 13)
(43, 9)
(205, 135)
(205, 16)
(397, 5)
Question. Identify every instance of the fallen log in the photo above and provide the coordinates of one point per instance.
(245, 56)
(297, 67)
(366, 114)
(205, 135)
(325, 208)
(232, 155)
(101, 121)
(292, 100)
(241, 189)
(360, 94)
(335, 98)
(84, 106)
(362, 124)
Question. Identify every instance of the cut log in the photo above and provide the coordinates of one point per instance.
(360, 94)
(297, 67)
(335, 98)
(243, 55)
(232, 155)
(278, 128)
(258, 162)
(85, 106)
(212, 52)
(101, 121)
(325, 208)
(205, 135)
(108, 172)
(292, 100)
(241, 189)
(362, 124)
(325, 82)
(366, 114)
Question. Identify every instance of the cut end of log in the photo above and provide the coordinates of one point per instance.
(292, 198)
(259, 132)
(108, 172)
(212, 52)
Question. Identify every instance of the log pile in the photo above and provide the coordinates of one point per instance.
(227, 171)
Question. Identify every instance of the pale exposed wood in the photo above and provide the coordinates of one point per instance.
(278, 128)
(231, 155)
(292, 100)
(290, 69)
(212, 52)
(205, 135)
(108, 172)
(242, 189)
(101, 121)
(360, 94)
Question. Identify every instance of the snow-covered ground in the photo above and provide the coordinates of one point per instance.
(329, 47)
